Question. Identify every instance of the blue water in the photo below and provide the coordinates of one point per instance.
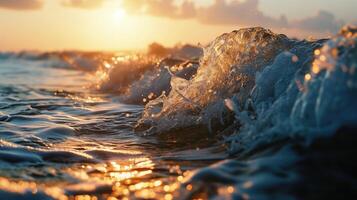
(56, 130)
(254, 115)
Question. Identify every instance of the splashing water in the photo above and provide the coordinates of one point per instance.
(278, 113)
(281, 91)
(228, 67)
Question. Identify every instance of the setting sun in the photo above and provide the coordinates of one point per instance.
(119, 15)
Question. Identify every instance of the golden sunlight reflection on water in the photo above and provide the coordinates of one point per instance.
(133, 178)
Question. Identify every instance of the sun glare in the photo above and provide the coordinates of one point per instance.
(119, 14)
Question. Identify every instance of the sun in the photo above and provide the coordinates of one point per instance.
(119, 14)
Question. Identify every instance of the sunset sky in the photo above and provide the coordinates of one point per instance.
(133, 24)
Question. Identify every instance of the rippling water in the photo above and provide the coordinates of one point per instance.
(60, 138)
(254, 115)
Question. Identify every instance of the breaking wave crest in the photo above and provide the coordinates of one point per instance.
(267, 82)
(258, 89)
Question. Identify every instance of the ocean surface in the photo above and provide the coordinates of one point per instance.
(252, 115)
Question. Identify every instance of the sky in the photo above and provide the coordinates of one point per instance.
(91, 25)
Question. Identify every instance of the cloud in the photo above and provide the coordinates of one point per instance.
(324, 21)
(21, 4)
(234, 12)
(161, 8)
(83, 4)
(220, 12)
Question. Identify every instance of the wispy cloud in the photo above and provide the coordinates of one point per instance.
(237, 12)
(83, 4)
(21, 4)
(323, 21)
(161, 8)
(234, 12)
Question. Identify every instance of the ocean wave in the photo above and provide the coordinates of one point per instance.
(75, 60)
(141, 78)
(267, 80)
(259, 90)
(228, 68)
(281, 109)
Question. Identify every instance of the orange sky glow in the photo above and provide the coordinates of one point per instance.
(110, 27)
